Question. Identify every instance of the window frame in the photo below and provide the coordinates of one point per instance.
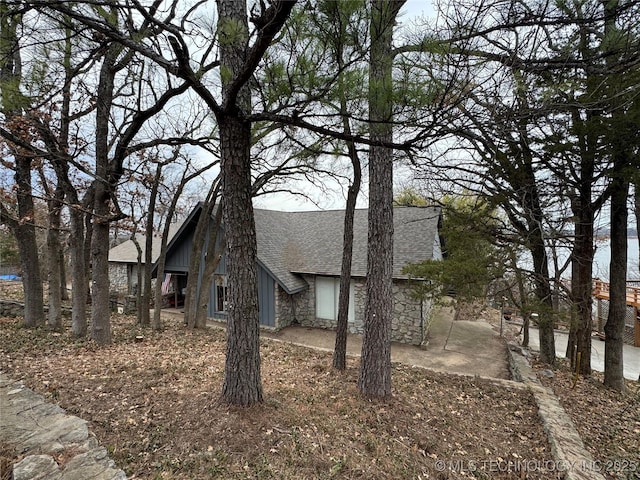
(328, 297)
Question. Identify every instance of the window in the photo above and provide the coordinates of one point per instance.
(221, 293)
(327, 297)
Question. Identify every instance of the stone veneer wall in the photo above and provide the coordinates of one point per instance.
(119, 278)
(119, 281)
(305, 303)
(410, 322)
(284, 308)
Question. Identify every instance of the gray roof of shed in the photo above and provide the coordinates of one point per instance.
(126, 252)
(311, 242)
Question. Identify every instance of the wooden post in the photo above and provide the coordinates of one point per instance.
(599, 314)
(636, 342)
(174, 281)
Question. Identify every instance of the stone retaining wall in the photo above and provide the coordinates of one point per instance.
(567, 447)
(12, 309)
(44, 434)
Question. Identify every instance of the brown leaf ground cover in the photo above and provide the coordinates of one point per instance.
(155, 406)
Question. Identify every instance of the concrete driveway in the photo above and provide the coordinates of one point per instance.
(463, 347)
(630, 354)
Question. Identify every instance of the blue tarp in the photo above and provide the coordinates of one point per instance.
(9, 277)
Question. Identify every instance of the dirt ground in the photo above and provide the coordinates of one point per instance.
(155, 406)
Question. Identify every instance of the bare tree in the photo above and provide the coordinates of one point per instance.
(185, 178)
(54, 250)
(22, 222)
(194, 287)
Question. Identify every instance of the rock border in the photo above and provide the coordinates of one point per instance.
(42, 432)
(567, 447)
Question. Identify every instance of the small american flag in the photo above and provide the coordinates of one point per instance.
(166, 283)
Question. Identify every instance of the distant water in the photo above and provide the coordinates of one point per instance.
(602, 259)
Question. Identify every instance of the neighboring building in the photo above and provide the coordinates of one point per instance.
(299, 260)
(123, 262)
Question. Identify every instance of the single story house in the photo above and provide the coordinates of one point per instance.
(123, 261)
(299, 262)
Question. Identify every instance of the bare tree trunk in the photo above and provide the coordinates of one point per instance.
(194, 285)
(614, 328)
(63, 145)
(582, 286)
(212, 259)
(100, 313)
(55, 259)
(138, 291)
(145, 298)
(342, 327)
(23, 227)
(242, 383)
(524, 307)
(622, 165)
(238, 60)
(375, 368)
(543, 294)
(536, 242)
(211, 263)
(573, 323)
(78, 273)
(340, 350)
(64, 291)
(199, 237)
(25, 233)
(88, 237)
(156, 323)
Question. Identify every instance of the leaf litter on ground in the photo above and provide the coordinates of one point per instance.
(155, 406)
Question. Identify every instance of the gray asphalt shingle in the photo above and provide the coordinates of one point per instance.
(126, 252)
(293, 243)
(311, 242)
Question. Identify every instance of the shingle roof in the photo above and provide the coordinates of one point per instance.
(311, 242)
(292, 243)
(126, 252)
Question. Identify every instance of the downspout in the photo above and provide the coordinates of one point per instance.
(294, 302)
(421, 322)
